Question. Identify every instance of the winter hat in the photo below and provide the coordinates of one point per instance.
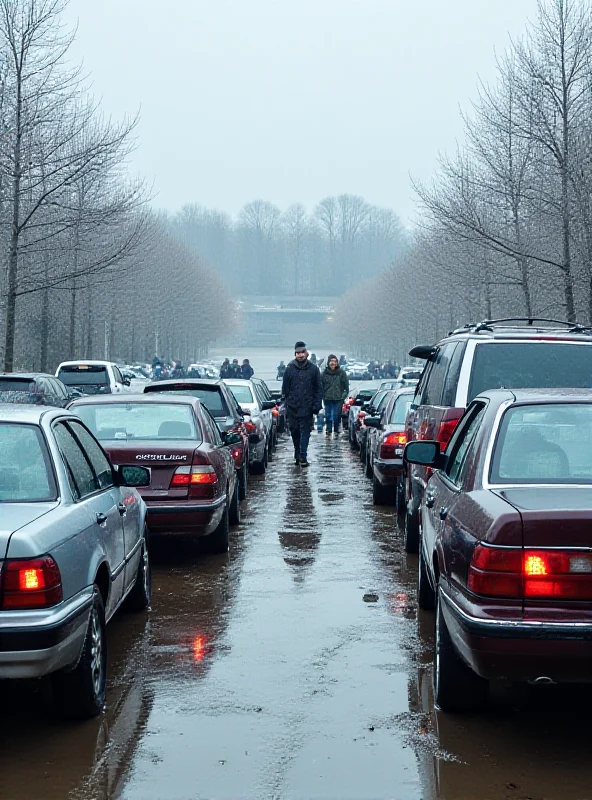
(332, 356)
(299, 347)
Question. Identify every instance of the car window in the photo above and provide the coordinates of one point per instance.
(139, 421)
(98, 459)
(453, 374)
(59, 389)
(26, 473)
(88, 378)
(462, 442)
(211, 429)
(242, 394)
(399, 411)
(432, 395)
(210, 396)
(530, 365)
(82, 478)
(383, 401)
(547, 443)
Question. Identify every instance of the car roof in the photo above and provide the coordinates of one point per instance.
(25, 375)
(189, 381)
(10, 412)
(90, 361)
(106, 399)
(539, 395)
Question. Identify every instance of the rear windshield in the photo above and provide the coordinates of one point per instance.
(25, 471)
(400, 409)
(84, 375)
(544, 444)
(17, 385)
(242, 394)
(139, 421)
(531, 365)
(210, 397)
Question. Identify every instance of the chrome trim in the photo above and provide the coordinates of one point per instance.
(183, 509)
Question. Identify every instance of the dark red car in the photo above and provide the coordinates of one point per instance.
(220, 402)
(506, 543)
(194, 488)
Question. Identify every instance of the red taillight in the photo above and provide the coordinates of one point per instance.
(392, 445)
(31, 583)
(275, 411)
(361, 415)
(193, 476)
(250, 427)
(541, 574)
(496, 572)
(448, 425)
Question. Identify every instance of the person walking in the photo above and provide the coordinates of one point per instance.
(234, 370)
(247, 370)
(302, 394)
(335, 390)
(224, 369)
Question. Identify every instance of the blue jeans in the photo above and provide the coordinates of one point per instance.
(300, 428)
(333, 416)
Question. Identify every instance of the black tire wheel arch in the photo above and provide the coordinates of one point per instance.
(243, 479)
(426, 596)
(219, 540)
(141, 594)
(411, 531)
(380, 493)
(235, 506)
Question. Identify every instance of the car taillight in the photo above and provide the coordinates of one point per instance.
(496, 572)
(565, 574)
(250, 427)
(361, 415)
(193, 476)
(275, 411)
(392, 445)
(448, 425)
(31, 583)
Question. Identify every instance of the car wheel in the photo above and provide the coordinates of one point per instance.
(456, 686)
(270, 448)
(80, 693)
(219, 540)
(242, 480)
(426, 597)
(381, 495)
(411, 531)
(260, 467)
(401, 506)
(369, 467)
(139, 597)
(235, 506)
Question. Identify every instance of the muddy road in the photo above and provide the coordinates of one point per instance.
(294, 667)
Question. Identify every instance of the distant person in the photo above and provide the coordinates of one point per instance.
(247, 370)
(178, 370)
(302, 394)
(225, 369)
(281, 370)
(335, 390)
(313, 358)
(234, 370)
(342, 361)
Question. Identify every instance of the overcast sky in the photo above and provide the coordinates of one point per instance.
(291, 100)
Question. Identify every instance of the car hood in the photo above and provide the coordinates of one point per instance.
(14, 516)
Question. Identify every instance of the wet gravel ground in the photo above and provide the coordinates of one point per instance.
(294, 667)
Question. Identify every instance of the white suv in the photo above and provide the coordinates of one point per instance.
(93, 377)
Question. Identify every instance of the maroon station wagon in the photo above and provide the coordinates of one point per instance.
(506, 543)
(194, 487)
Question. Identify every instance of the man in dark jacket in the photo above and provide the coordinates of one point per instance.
(247, 370)
(335, 390)
(302, 393)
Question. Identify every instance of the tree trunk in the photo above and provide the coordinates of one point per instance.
(44, 367)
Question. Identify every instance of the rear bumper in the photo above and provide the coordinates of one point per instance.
(388, 472)
(37, 643)
(521, 650)
(198, 518)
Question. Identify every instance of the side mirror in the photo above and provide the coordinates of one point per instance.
(230, 437)
(373, 422)
(132, 476)
(74, 394)
(268, 405)
(127, 382)
(427, 454)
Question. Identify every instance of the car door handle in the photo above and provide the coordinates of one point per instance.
(430, 500)
(122, 508)
(101, 518)
(443, 513)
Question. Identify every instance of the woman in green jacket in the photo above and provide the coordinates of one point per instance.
(335, 390)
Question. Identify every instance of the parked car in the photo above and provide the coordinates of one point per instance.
(193, 489)
(93, 377)
(506, 543)
(410, 374)
(72, 541)
(260, 423)
(357, 396)
(385, 445)
(373, 407)
(486, 356)
(35, 388)
(219, 401)
(277, 412)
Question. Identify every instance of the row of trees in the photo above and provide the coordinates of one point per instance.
(343, 241)
(507, 220)
(87, 268)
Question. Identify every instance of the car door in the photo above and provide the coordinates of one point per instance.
(118, 385)
(218, 452)
(100, 499)
(444, 487)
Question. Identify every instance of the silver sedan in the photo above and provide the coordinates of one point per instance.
(72, 550)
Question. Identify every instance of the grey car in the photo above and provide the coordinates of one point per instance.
(72, 550)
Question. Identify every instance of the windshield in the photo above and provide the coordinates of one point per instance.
(242, 394)
(139, 421)
(400, 409)
(84, 375)
(544, 444)
(210, 397)
(530, 365)
(25, 471)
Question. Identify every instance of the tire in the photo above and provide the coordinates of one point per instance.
(80, 693)
(242, 480)
(381, 496)
(260, 467)
(456, 686)
(235, 506)
(400, 498)
(270, 448)
(411, 531)
(353, 442)
(219, 540)
(139, 597)
(369, 467)
(426, 596)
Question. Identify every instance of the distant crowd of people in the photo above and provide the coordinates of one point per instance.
(387, 370)
(235, 370)
(161, 369)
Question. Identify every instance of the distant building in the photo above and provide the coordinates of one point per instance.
(281, 321)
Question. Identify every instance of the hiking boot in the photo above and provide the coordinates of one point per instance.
(328, 432)
(304, 462)
(296, 460)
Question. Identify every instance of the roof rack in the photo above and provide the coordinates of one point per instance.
(489, 324)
